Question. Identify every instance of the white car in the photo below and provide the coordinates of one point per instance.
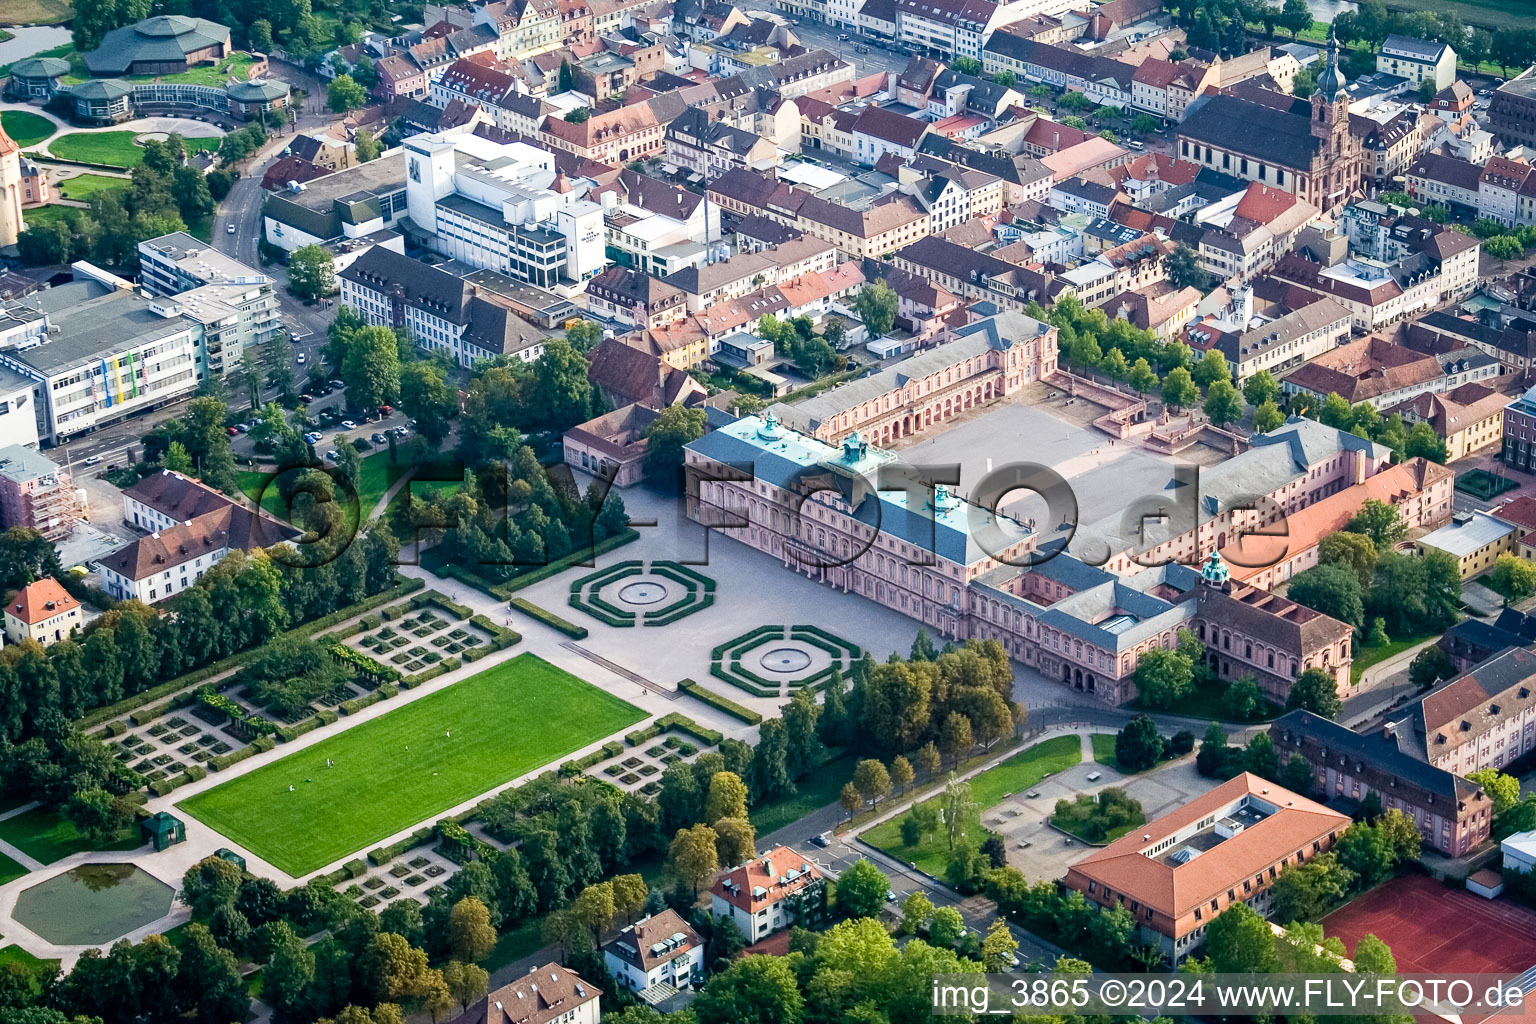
(230, 230)
(348, 425)
(301, 359)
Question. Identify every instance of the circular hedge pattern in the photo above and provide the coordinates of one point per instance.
(796, 656)
(633, 593)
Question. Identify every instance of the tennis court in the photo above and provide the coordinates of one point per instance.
(1433, 929)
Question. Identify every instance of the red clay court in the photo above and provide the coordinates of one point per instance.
(1433, 929)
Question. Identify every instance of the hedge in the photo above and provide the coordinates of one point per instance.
(613, 748)
(501, 636)
(385, 854)
(639, 736)
(435, 563)
(356, 704)
(446, 665)
(683, 723)
(760, 688)
(550, 619)
(719, 702)
(116, 728)
(746, 640)
(234, 661)
(355, 868)
(607, 618)
(144, 716)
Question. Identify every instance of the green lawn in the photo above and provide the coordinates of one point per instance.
(400, 769)
(111, 149)
(1018, 774)
(85, 186)
(1204, 703)
(36, 12)
(10, 870)
(45, 215)
(17, 955)
(1369, 656)
(814, 792)
(1104, 748)
(25, 128)
(45, 835)
(374, 481)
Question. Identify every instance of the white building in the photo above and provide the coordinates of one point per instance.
(467, 317)
(43, 612)
(96, 353)
(663, 950)
(1519, 852)
(764, 895)
(504, 208)
(1417, 60)
(545, 995)
(233, 302)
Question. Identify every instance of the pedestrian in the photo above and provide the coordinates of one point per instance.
(290, 787)
(448, 734)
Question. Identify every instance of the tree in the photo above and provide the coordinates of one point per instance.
(876, 306)
(752, 990)
(466, 982)
(1183, 267)
(1242, 699)
(428, 398)
(1267, 417)
(929, 759)
(371, 367)
(1223, 402)
(210, 978)
(958, 809)
(665, 437)
(955, 737)
(97, 813)
(999, 949)
(735, 840)
(1260, 388)
(1513, 578)
(1164, 677)
(1238, 941)
(311, 272)
(1296, 776)
(1430, 666)
(945, 926)
(916, 912)
(1295, 17)
(1379, 521)
(1315, 690)
(872, 780)
(470, 934)
(861, 889)
(1142, 377)
(95, 18)
(629, 895)
(849, 799)
(1423, 442)
(344, 94)
(901, 773)
(368, 147)
(1306, 891)
(693, 855)
(260, 35)
(290, 965)
(209, 884)
(1211, 368)
(578, 116)
(559, 395)
(966, 66)
(1179, 388)
(1331, 589)
(1138, 745)
(1503, 790)
(1353, 550)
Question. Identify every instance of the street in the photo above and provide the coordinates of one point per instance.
(878, 58)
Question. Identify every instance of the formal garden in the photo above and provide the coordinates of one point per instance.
(1099, 818)
(773, 661)
(633, 592)
(414, 639)
(389, 773)
(637, 767)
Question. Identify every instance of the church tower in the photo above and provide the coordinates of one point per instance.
(10, 190)
(1332, 176)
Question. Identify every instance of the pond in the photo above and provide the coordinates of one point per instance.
(31, 39)
(93, 904)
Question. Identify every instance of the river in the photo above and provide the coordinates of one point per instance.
(1327, 10)
(31, 39)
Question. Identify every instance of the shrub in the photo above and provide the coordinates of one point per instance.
(719, 702)
(354, 868)
(550, 619)
(116, 728)
(639, 736)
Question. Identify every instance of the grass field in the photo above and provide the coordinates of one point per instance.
(371, 485)
(1369, 656)
(37, 967)
(1015, 775)
(44, 835)
(44, 215)
(1104, 748)
(1204, 703)
(111, 149)
(84, 186)
(10, 870)
(35, 12)
(25, 128)
(814, 792)
(400, 769)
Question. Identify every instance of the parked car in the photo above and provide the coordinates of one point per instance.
(230, 230)
(348, 425)
(332, 455)
(243, 428)
(336, 384)
(301, 359)
(401, 432)
(231, 431)
(91, 460)
(379, 438)
(306, 398)
(824, 840)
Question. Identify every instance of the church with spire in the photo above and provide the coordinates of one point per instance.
(1301, 146)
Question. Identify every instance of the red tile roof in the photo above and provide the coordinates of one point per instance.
(41, 600)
